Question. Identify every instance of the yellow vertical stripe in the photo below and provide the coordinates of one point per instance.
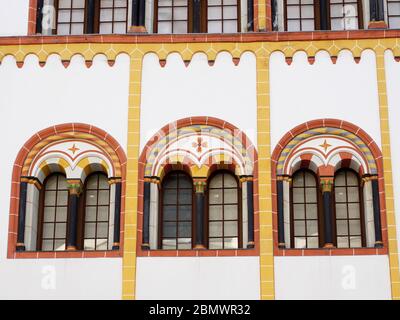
(387, 166)
(129, 260)
(264, 178)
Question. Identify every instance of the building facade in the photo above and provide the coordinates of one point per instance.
(217, 149)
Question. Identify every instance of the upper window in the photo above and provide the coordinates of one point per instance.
(393, 13)
(216, 16)
(305, 222)
(97, 212)
(75, 17)
(53, 219)
(299, 15)
(349, 230)
(345, 14)
(309, 15)
(176, 211)
(223, 212)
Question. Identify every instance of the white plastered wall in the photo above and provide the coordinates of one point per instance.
(35, 98)
(224, 91)
(393, 83)
(179, 278)
(14, 17)
(347, 91)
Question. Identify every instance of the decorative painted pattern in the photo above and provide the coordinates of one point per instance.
(288, 149)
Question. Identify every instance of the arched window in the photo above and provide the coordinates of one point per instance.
(348, 210)
(97, 212)
(223, 212)
(216, 16)
(53, 214)
(299, 15)
(176, 211)
(305, 222)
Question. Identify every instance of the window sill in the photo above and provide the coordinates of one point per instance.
(330, 252)
(66, 254)
(199, 253)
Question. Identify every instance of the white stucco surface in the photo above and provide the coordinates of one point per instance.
(302, 92)
(185, 278)
(32, 99)
(335, 277)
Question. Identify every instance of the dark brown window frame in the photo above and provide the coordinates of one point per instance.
(96, 16)
(239, 206)
(317, 16)
(389, 16)
(319, 219)
(42, 206)
(203, 17)
(361, 204)
(161, 212)
(82, 215)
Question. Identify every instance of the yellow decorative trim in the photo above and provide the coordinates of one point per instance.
(264, 178)
(129, 260)
(387, 173)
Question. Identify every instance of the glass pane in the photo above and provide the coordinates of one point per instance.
(229, 181)
(214, 27)
(309, 180)
(312, 242)
(352, 193)
(215, 243)
(170, 182)
(104, 197)
(184, 229)
(62, 198)
(231, 212)
(216, 182)
(170, 213)
(341, 211)
(169, 229)
(185, 243)
(180, 26)
(300, 242)
(61, 230)
(89, 244)
(102, 230)
(298, 195)
(298, 180)
(215, 196)
(103, 182)
(90, 230)
(185, 213)
(169, 244)
(312, 211)
(354, 210)
(298, 211)
(102, 213)
(214, 13)
(48, 231)
(340, 180)
(101, 244)
(231, 196)
(230, 228)
(50, 198)
(215, 213)
(230, 26)
(312, 228)
(47, 245)
(231, 243)
(340, 194)
(90, 214)
(311, 195)
(170, 196)
(91, 197)
(299, 228)
(185, 196)
(215, 229)
(342, 228)
(355, 242)
(342, 242)
(355, 227)
(59, 245)
(49, 214)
